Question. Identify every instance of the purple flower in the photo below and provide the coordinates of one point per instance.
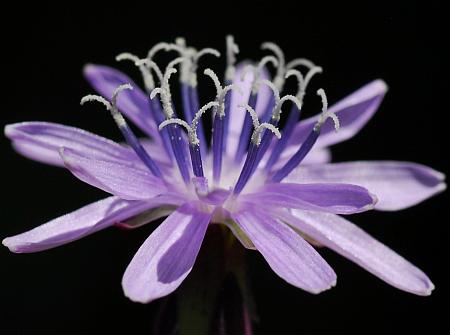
(275, 191)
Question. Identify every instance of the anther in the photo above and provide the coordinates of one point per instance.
(221, 92)
(146, 74)
(124, 128)
(257, 71)
(151, 65)
(256, 136)
(303, 81)
(300, 62)
(191, 129)
(281, 69)
(232, 50)
(309, 142)
(164, 89)
(156, 48)
(325, 113)
(194, 64)
(277, 109)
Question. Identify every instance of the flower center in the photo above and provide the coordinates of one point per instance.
(230, 172)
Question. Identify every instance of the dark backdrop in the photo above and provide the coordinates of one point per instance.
(76, 288)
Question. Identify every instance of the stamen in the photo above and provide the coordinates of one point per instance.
(219, 123)
(210, 73)
(303, 81)
(151, 65)
(275, 91)
(194, 147)
(195, 58)
(221, 91)
(191, 129)
(294, 114)
(277, 110)
(253, 115)
(279, 77)
(156, 48)
(252, 155)
(205, 51)
(97, 98)
(309, 142)
(232, 50)
(300, 62)
(257, 71)
(177, 142)
(164, 90)
(177, 121)
(146, 74)
(325, 113)
(124, 128)
(256, 137)
(193, 137)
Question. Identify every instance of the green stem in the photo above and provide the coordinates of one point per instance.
(215, 298)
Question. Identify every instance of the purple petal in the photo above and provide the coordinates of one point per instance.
(353, 243)
(333, 198)
(397, 185)
(167, 256)
(125, 181)
(41, 141)
(289, 255)
(132, 103)
(315, 156)
(354, 111)
(82, 222)
(237, 114)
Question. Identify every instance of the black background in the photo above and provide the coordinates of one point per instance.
(76, 288)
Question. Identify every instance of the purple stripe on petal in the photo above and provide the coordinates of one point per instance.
(354, 111)
(397, 185)
(333, 197)
(288, 254)
(134, 104)
(123, 180)
(82, 222)
(41, 141)
(353, 243)
(167, 256)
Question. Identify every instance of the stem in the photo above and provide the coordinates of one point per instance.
(215, 299)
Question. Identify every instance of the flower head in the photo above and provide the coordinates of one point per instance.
(274, 189)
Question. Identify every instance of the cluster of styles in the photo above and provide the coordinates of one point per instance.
(275, 189)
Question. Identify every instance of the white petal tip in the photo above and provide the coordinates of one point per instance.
(381, 85)
(9, 130)
(7, 243)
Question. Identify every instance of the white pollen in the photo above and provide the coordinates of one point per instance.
(252, 113)
(97, 98)
(257, 71)
(325, 113)
(221, 91)
(277, 109)
(281, 69)
(300, 62)
(110, 106)
(232, 50)
(256, 136)
(156, 48)
(146, 74)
